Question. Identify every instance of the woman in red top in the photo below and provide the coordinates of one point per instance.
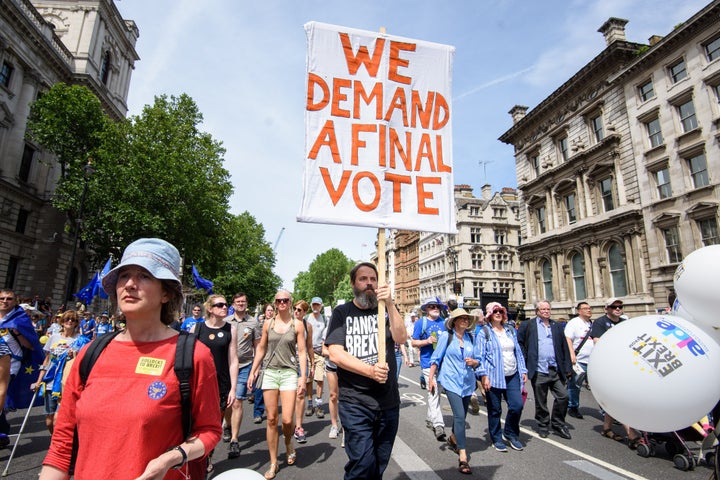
(132, 392)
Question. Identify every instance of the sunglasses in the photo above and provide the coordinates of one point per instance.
(220, 305)
(282, 300)
(616, 307)
(498, 310)
(299, 310)
(432, 306)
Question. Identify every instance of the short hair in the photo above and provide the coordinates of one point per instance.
(210, 301)
(537, 304)
(353, 272)
(302, 304)
(581, 304)
(8, 290)
(238, 295)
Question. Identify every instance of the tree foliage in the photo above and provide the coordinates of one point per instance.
(324, 275)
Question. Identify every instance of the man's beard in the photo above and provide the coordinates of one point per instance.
(365, 299)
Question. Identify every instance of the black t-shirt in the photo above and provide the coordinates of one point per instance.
(218, 341)
(601, 325)
(356, 330)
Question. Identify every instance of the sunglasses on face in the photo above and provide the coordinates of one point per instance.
(282, 300)
(616, 307)
(433, 306)
(498, 310)
(299, 310)
(220, 305)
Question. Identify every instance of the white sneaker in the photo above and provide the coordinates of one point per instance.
(333, 432)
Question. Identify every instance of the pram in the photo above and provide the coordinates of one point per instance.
(676, 443)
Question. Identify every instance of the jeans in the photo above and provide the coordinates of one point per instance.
(258, 403)
(513, 396)
(542, 384)
(369, 438)
(573, 389)
(459, 407)
(399, 360)
(434, 414)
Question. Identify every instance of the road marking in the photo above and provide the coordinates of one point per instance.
(589, 458)
(413, 398)
(593, 470)
(412, 465)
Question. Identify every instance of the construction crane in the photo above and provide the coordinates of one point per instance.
(278, 239)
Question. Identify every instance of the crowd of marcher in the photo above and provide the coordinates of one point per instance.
(184, 380)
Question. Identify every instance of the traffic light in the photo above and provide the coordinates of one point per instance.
(457, 288)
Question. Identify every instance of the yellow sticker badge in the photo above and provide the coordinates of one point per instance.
(150, 366)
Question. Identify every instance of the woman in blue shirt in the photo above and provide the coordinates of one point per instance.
(502, 373)
(455, 354)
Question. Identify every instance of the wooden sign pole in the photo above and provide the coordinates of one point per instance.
(381, 304)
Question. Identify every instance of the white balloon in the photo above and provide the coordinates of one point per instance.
(707, 321)
(647, 372)
(696, 285)
(239, 474)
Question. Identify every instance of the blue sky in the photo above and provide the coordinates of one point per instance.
(243, 62)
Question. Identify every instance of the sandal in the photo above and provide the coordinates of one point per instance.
(633, 443)
(272, 471)
(291, 457)
(464, 467)
(452, 443)
(611, 435)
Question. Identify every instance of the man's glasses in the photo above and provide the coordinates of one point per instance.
(282, 300)
(7, 299)
(432, 306)
(616, 307)
(220, 305)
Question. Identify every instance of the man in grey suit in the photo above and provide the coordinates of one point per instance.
(549, 365)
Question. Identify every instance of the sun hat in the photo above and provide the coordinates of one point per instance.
(612, 300)
(27, 306)
(432, 301)
(317, 300)
(155, 255)
(459, 312)
(492, 306)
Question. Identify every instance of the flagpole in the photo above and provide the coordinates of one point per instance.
(382, 357)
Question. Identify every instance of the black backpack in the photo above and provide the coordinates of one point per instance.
(183, 370)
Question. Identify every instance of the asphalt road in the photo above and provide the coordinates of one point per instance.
(417, 455)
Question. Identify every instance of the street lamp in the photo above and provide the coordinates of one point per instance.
(88, 170)
(452, 255)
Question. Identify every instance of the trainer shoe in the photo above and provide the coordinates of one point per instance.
(319, 412)
(333, 432)
(575, 412)
(226, 434)
(500, 446)
(440, 433)
(428, 424)
(257, 420)
(515, 444)
(300, 435)
(309, 411)
(234, 450)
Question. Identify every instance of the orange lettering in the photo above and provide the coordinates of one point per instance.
(365, 207)
(375, 95)
(396, 61)
(362, 57)
(335, 194)
(314, 80)
(398, 101)
(425, 151)
(357, 144)
(397, 181)
(441, 106)
(441, 167)
(327, 138)
(423, 196)
(404, 154)
(338, 84)
(418, 112)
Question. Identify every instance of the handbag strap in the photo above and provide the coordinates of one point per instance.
(579, 347)
(272, 354)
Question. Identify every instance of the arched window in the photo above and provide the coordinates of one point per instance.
(578, 273)
(547, 281)
(105, 68)
(617, 271)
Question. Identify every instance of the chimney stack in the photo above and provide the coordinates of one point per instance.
(518, 113)
(614, 30)
(486, 191)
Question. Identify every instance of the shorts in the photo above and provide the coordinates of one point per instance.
(280, 379)
(330, 366)
(319, 368)
(51, 403)
(242, 380)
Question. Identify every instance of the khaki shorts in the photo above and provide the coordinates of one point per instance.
(319, 368)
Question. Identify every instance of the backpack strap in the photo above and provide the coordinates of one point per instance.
(424, 327)
(93, 352)
(183, 370)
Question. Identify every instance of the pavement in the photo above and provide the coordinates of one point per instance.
(417, 455)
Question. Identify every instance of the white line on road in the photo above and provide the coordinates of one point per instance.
(593, 470)
(412, 465)
(589, 458)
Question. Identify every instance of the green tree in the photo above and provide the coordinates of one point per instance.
(324, 274)
(343, 290)
(245, 261)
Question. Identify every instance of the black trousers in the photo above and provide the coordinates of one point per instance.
(553, 383)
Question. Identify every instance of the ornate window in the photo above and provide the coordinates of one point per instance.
(578, 273)
(617, 271)
(547, 281)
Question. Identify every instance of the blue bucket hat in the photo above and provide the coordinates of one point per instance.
(316, 300)
(155, 255)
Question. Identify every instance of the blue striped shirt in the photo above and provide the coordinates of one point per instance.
(489, 352)
(455, 376)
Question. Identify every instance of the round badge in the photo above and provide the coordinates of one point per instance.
(211, 336)
(247, 330)
(221, 334)
(157, 390)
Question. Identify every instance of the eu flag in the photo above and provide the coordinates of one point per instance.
(87, 293)
(201, 283)
(98, 290)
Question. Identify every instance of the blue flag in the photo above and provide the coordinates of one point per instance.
(98, 286)
(87, 293)
(201, 283)
(19, 394)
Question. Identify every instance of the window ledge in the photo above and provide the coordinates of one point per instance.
(700, 191)
(696, 132)
(656, 150)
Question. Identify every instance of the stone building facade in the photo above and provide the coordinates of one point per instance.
(588, 161)
(406, 280)
(42, 43)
